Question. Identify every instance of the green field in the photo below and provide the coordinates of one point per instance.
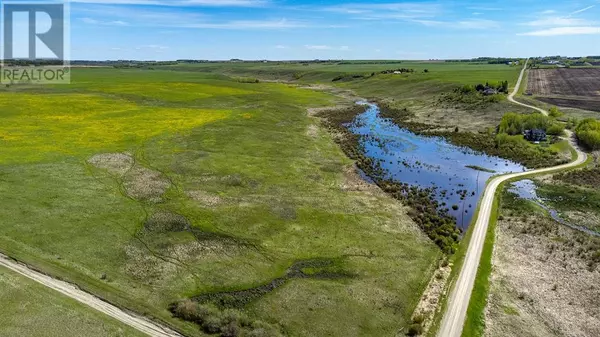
(147, 187)
(29, 309)
(419, 91)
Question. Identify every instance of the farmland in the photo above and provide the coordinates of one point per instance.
(576, 88)
(147, 188)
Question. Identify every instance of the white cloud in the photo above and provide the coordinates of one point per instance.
(582, 10)
(326, 47)
(463, 24)
(558, 21)
(392, 11)
(100, 22)
(247, 24)
(318, 47)
(558, 31)
(281, 47)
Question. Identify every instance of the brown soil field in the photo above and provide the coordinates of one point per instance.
(565, 82)
(584, 104)
(575, 88)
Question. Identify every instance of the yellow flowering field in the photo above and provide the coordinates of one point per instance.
(35, 127)
(169, 92)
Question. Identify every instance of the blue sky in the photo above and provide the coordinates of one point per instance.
(285, 29)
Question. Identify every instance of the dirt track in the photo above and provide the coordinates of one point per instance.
(458, 302)
(138, 322)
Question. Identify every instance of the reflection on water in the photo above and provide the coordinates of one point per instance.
(526, 189)
(429, 162)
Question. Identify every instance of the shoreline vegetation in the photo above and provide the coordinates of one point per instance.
(491, 142)
(425, 211)
(479, 168)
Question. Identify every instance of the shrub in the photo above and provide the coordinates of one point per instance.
(588, 133)
(419, 319)
(212, 324)
(555, 113)
(247, 80)
(556, 130)
(231, 330)
(415, 330)
(262, 329)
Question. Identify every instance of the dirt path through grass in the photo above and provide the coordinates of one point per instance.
(135, 321)
(511, 97)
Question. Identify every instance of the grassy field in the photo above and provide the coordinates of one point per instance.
(420, 91)
(29, 309)
(150, 186)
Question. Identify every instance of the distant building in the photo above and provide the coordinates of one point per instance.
(535, 135)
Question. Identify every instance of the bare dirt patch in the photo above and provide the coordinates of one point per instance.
(140, 183)
(114, 163)
(544, 282)
(146, 185)
(205, 198)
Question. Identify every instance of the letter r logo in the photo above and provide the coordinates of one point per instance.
(33, 30)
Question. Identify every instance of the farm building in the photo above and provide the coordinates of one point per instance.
(535, 135)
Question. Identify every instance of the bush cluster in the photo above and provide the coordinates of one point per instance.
(515, 124)
(588, 133)
(227, 323)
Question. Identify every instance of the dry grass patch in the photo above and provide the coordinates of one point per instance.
(145, 185)
(540, 274)
(115, 163)
(205, 198)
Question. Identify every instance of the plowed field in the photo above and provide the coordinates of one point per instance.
(577, 88)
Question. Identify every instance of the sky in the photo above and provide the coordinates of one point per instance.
(331, 29)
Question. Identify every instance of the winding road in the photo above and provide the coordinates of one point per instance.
(458, 302)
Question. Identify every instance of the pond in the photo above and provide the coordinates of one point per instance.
(458, 175)
(526, 189)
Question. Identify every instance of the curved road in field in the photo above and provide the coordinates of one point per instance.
(458, 302)
(511, 97)
(137, 322)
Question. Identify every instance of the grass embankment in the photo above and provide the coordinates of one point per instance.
(30, 309)
(205, 185)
